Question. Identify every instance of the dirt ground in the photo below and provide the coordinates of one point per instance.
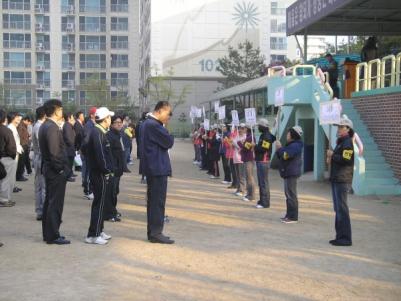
(225, 249)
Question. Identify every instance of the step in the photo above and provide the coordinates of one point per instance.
(384, 174)
(372, 152)
(384, 189)
(374, 159)
(376, 166)
(381, 181)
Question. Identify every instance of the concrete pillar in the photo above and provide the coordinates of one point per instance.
(319, 165)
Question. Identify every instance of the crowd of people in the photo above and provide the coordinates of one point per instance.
(239, 152)
(101, 145)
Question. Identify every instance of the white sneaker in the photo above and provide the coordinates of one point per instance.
(131, 163)
(238, 194)
(105, 236)
(213, 177)
(96, 240)
(225, 182)
(258, 206)
(245, 199)
(89, 196)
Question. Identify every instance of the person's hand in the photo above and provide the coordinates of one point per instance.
(278, 144)
(329, 155)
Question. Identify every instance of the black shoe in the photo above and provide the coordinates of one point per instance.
(1, 244)
(16, 189)
(7, 204)
(38, 217)
(71, 179)
(23, 179)
(161, 239)
(118, 214)
(231, 187)
(114, 219)
(59, 241)
(340, 243)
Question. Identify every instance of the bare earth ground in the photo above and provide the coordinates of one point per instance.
(225, 249)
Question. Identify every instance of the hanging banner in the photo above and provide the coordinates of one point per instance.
(250, 116)
(234, 116)
(330, 112)
(222, 113)
(206, 124)
(279, 97)
(216, 106)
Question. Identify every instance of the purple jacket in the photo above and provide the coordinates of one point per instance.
(247, 153)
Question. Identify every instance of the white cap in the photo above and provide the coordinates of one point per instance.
(345, 121)
(298, 129)
(263, 122)
(103, 112)
(242, 125)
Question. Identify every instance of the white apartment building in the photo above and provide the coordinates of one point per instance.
(49, 48)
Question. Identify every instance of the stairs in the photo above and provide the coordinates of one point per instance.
(379, 177)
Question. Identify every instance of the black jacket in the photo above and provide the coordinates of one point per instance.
(99, 151)
(7, 143)
(263, 149)
(117, 151)
(342, 161)
(69, 139)
(79, 135)
(89, 125)
(291, 159)
(52, 147)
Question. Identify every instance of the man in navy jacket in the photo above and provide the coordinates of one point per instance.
(155, 161)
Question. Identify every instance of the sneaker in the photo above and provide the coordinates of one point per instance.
(225, 182)
(96, 240)
(245, 199)
(238, 193)
(213, 177)
(289, 221)
(258, 206)
(105, 236)
(131, 163)
(89, 196)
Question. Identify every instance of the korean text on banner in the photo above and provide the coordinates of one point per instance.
(222, 113)
(279, 97)
(206, 124)
(234, 116)
(250, 116)
(330, 112)
(216, 106)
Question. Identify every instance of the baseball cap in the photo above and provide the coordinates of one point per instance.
(298, 129)
(92, 110)
(263, 122)
(242, 125)
(345, 121)
(103, 112)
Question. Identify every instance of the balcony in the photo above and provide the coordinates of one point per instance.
(68, 66)
(93, 65)
(123, 82)
(42, 83)
(68, 84)
(16, 6)
(41, 66)
(68, 27)
(119, 8)
(17, 64)
(119, 64)
(42, 46)
(119, 26)
(68, 47)
(41, 8)
(92, 27)
(17, 81)
(92, 46)
(68, 9)
(119, 45)
(17, 44)
(21, 25)
(41, 27)
(92, 9)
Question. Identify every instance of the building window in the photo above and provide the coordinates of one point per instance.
(68, 24)
(67, 6)
(42, 6)
(119, 24)
(277, 27)
(43, 79)
(275, 59)
(276, 10)
(68, 42)
(119, 42)
(97, 61)
(92, 43)
(119, 5)
(17, 97)
(17, 78)
(119, 95)
(119, 61)
(42, 42)
(277, 43)
(17, 60)
(11, 21)
(92, 6)
(16, 40)
(42, 96)
(42, 24)
(68, 80)
(68, 61)
(92, 24)
(17, 4)
(68, 96)
(119, 79)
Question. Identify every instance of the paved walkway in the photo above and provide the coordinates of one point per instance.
(225, 249)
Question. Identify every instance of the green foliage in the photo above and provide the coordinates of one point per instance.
(241, 64)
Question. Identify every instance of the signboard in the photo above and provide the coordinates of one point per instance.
(216, 106)
(303, 13)
(330, 112)
(222, 112)
(206, 124)
(198, 113)
(250, 116)
(234, 116)
(279, 97)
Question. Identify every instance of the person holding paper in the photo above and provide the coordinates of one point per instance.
(290, 170)
(263, 151)
(238, 163)
(248, 157)
(213, 146)
(225, 152)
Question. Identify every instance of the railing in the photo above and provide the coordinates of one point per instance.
(69, 84)
(92, 9)
(379, 73)
(94, 65)
(68, 66)
(304, 68)
(68, 46)
(42, 46)
(17, 6)
(41, 8)
(68, 9)
(92, 27)
(18, 81)
(43, 65)
(119, 8)
(119, 45)
(119, 64)
(92, 46)
(16, 44)
(40, 27)
(119, 26)
(17, 64)
(276, 71)
(119, 82)
(17, 25)
(43, 83)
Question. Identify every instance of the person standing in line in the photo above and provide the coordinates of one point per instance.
(55, 169)
(100, 162)
(89, 125)
(155, 143)
(40, 184)
(341, 161)
(14, 119)
(228, 143)
(332, 69)
(69, 140)
(248, 157)
(238, 163)
(223, 153)
(8, 154)
(290, 157)
(79, 130)
(213, 152)
(117, 149)
(23, 160)
(263, 151)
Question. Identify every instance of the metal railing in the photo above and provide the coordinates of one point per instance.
(119, 8)
(17, 64)
(92, 8)
(16, 6)
(276, 71)
(119, 26)
(17, 25)
(93, 65)
(90, 27)
(378, 73)
(16, 44)
(119, 45)
(92, 46)
(17, 81)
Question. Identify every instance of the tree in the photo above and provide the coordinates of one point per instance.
(97, 91)
(241, 64)
(161, 88)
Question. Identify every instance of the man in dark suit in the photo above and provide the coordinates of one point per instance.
(79, 129)
(69, 141)
(55, 169)
(155, 143)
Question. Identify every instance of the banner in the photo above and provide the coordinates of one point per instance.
(216, 106)
(250, 116)
(330, 112)
(222, 113)
(206, 124)
(234, 116)
(279, 97)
